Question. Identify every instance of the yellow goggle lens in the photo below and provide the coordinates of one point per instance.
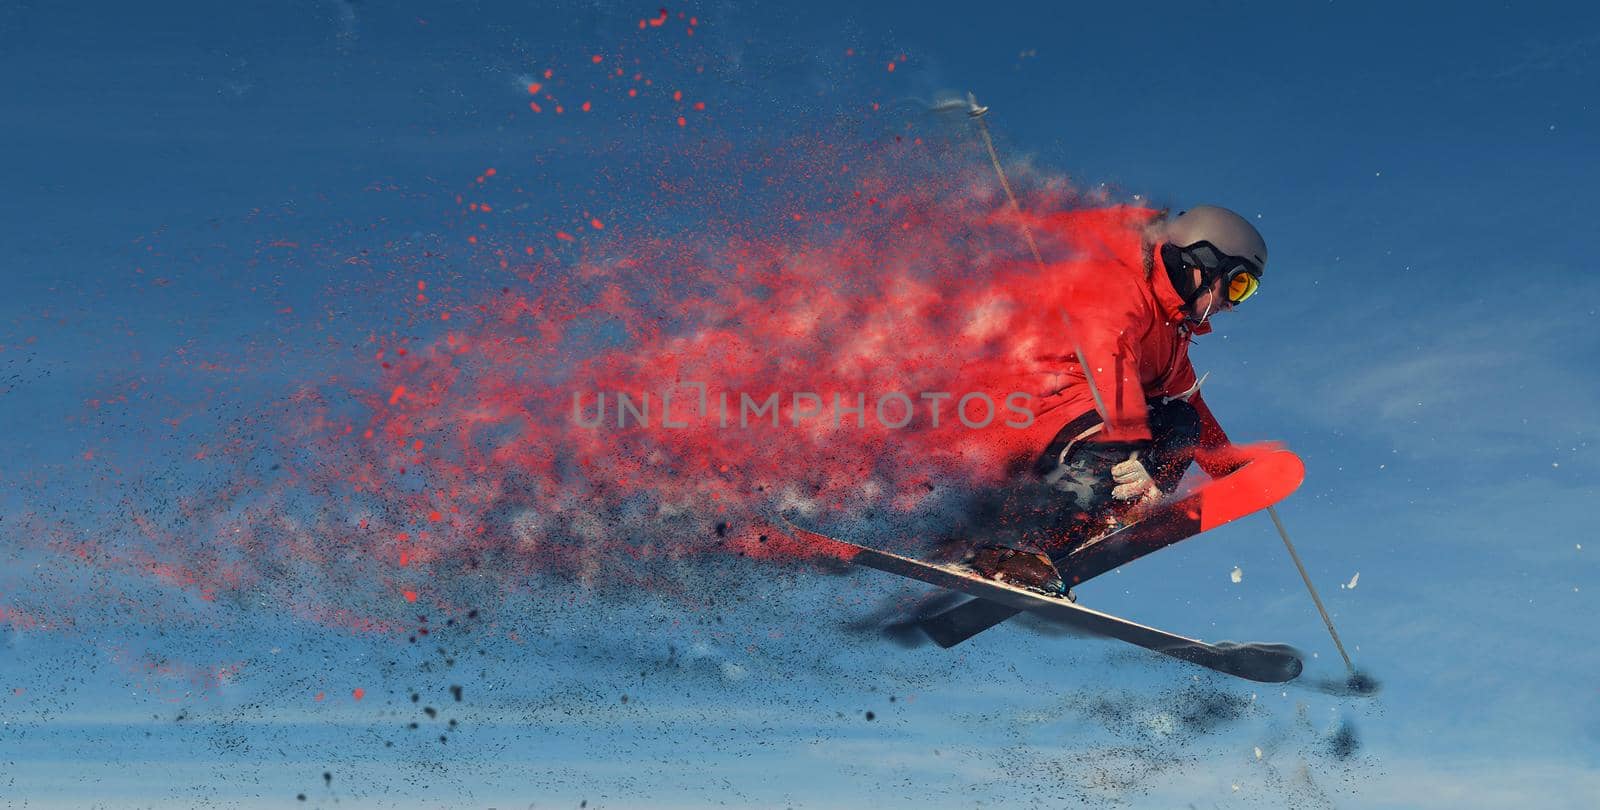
(1242, 287)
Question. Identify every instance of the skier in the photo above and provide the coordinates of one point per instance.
(1140, 419)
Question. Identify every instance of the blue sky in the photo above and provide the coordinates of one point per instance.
(1423, 339)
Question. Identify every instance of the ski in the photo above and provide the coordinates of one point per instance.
(1268, 663)
(1264, 481)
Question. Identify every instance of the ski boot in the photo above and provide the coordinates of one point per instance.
(1029, 569)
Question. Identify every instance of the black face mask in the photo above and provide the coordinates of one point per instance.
(1178, 273)
(1212, 264)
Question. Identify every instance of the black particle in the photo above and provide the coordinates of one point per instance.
(443, 738)
(722, 529)
(299, 797)
(415, 697)
(412, 726)
(472, 614)
(327, 778)
(871, 716)
(1345, 743)
(455, 692)
(624, 698)
(430, 712)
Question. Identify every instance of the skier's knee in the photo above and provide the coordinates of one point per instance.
(1175, 423)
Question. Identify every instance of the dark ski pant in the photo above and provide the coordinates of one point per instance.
(1065, 498)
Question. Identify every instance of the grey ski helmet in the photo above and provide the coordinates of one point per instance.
(1235, 247)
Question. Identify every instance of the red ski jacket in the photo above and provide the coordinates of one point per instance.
(1127, 320)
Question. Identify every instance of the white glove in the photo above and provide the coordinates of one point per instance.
(1134, 482)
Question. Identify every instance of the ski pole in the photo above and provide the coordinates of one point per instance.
(976, 112)
(1293, 555)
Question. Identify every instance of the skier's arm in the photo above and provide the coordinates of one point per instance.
(1216, 455)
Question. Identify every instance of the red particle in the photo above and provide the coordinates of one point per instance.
(416, 445)
(534, 105)
(489, 172)
(528, 250)
(548, 73)
(399, 391)
(659, 21)
(411, 596)
(400, 351)
(367, 435)
(682, 122)
(699, 105)
(559, 110)
(403, 536)
(642, 24)
(444, 316)
(902, 57)
(849, 51)
(677, 95)
(405, 559)
(596, 224)
(595, 59)
(472, 240)
(421, 285)
(694, 20)
(359, 693)
(564, 236)
(585, 106)
(891, 67)
(484, 207)
(435, 516)
(88, 455)
(633, 92)
(472, 207)
(533, 89)
(422, 299)
(318, 697)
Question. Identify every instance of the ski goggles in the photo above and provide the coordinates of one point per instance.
(1240, 277)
